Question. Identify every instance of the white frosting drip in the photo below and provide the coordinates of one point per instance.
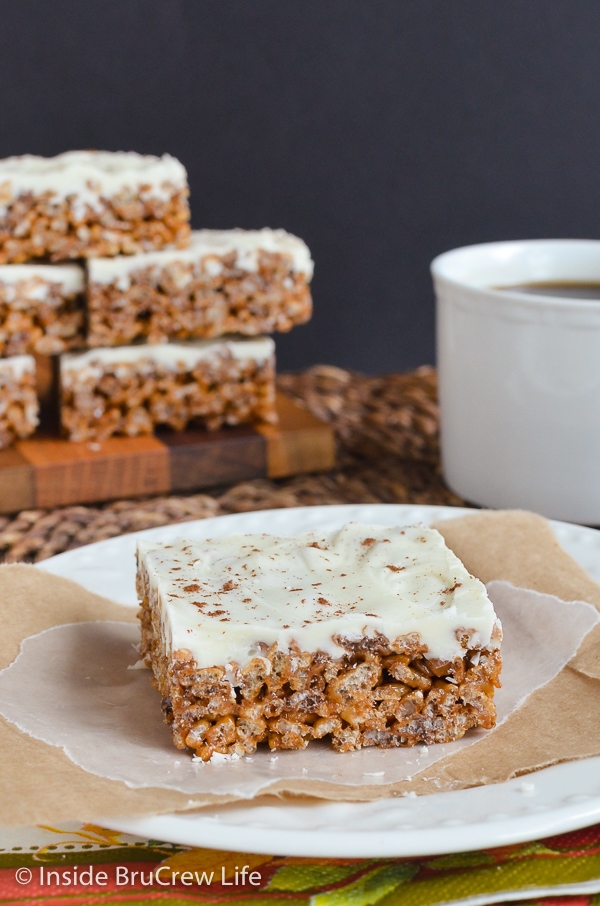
(89, 176)
(209, 245)
(17, 365)
(220, 598)
(170, 355)
(69, 277)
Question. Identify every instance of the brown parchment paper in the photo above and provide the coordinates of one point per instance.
(40, 785)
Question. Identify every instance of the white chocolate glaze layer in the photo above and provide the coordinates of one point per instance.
(90, 175)
(170, 355)
(70, 277)
(17, 365)
(208, 246)
(221, 598)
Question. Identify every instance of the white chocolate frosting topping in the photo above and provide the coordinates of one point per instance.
(90, 175)
(169, 355)
(70, 277)
(17, 365)
(204, 251)
(222, 598)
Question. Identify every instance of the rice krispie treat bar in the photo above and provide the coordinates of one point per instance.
(19, 409)
(41, 308)
(83, 204)
(368, 636)
(232, 281)
(130, 390)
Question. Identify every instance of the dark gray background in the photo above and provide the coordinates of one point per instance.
(381, 131)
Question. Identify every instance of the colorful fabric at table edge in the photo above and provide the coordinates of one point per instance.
(87, 862)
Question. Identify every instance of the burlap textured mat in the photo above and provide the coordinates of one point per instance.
(388, 452)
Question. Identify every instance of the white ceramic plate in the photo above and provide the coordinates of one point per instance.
(551, 801)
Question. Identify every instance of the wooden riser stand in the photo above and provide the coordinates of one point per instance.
(46, 472)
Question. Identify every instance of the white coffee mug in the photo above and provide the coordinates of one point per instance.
(519, 377)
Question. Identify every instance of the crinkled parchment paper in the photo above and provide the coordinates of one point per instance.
(72, 687)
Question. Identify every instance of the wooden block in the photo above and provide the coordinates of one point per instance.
(47, 472)
(203, 459)
(299, 443)
(67, 473)
(17, 487)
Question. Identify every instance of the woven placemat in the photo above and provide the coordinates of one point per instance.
(388, 452)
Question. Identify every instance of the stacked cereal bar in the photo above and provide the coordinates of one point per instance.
(130, 390)
(147, 281)
(18, 401)
(83, 204)
(368, 636)
(41, 308)
(235, 281)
